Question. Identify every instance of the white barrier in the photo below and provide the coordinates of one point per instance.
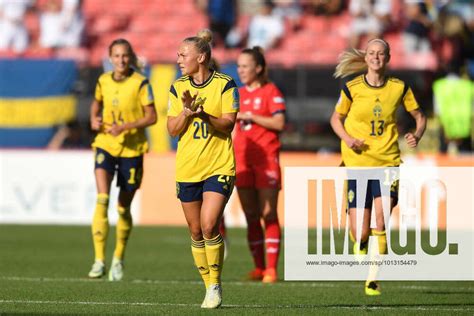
(51, 187)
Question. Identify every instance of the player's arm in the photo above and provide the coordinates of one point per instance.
(225, 123)
(176, 124)
(337, 124)
(96, 115)
(275, 122)
(149, 118)
(420, 119)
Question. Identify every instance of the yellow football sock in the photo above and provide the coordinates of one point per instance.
(100, 226)
(215, 258)
(351, 236)
(382, 244)
(124, 227)
(382, 240)
(198, 250)
(356, 244)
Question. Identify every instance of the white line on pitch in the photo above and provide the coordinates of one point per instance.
(324, 284)
(296, 306)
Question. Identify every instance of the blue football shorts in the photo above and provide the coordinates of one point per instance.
(193, 191)
(129, 170)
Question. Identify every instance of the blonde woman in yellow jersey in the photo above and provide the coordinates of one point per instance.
(123, 106)
(365, 121)
(203, 106)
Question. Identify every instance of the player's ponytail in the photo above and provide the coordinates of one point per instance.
(353, 61)
(202, 41)
(136, 64)
(257, 54)
(350, 62)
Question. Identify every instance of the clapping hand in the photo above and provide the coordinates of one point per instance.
(190, 107)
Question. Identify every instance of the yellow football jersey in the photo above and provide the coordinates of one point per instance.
(204, 151)
(123, 102)
(371, 116)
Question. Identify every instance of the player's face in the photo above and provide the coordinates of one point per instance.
(120, 58)
(247, 69)
(188, 59)
(376, 56)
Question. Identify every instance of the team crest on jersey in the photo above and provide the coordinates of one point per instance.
(115, 102)
(350, 196)
(100, 158)
(377, 110)
(257, 103)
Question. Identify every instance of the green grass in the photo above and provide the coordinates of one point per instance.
(43, 271)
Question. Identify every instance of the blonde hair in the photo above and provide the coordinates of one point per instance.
(353, 61)
(135, 62)
(202, 42)
(350, 62)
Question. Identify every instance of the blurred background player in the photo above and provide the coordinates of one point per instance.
(266, 28)
(453, 97)
(222, 15)
(122, 108)
(257, 149)
(365, 121)
(203, 106)
(369, 18)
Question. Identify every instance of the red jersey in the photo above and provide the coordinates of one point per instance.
(250, 138)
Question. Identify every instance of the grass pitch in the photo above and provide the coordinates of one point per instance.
(43, 270)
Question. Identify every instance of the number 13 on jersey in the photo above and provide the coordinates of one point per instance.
(377, 127)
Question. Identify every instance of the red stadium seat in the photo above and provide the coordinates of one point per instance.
(78, 54)
(7, 54)
(108, 23)
(144, 23)
(38, 52)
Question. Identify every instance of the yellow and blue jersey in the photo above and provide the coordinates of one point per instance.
(123, 102)
(202, 150)
(371, 115)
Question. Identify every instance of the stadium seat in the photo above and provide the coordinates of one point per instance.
(36, 52)
(8, 54)
(144, 23)
(108, 23)
(79, 54)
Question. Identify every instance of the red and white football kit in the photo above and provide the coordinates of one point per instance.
(257, 148)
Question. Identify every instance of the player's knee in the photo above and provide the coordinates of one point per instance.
(210, 231)
(252, 217)
(196, 233)
(270, 216)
